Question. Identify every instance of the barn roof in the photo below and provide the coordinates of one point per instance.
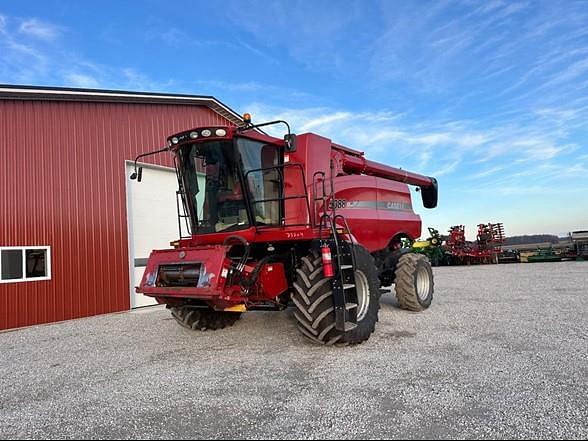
(20, 92)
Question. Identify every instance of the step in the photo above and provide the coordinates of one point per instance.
(349, 306)
(349, 286)
(349, 326)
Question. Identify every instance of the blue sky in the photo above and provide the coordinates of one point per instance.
(490, 97)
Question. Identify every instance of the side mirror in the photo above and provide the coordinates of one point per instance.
(430, 194)
(290, 143)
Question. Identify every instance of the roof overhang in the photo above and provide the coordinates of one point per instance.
(18, 92)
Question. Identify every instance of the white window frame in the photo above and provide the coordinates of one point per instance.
(24, 264)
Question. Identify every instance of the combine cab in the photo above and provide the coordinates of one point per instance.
(299, 222)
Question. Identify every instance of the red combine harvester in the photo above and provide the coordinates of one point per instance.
(485, 250)
(297, 221)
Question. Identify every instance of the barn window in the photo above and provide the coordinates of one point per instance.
(22, 264)
(11, 264)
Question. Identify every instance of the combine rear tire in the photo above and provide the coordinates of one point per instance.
(414, 282)
(313, 298)
(203, 319)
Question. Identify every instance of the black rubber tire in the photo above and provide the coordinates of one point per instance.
(313, 299)
(406, 282)
(203, 319)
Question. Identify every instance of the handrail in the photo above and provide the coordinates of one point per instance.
(279, 169)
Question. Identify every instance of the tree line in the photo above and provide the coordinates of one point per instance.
(531, 238)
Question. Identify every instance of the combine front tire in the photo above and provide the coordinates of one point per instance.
(414, 282)
(313, 298)
(203, 319)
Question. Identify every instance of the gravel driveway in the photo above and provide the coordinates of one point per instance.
(502, 353)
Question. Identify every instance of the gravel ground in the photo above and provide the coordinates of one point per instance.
(502, 353)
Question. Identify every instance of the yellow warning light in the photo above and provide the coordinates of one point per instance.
(247, 118)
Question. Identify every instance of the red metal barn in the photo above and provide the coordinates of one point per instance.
(74, 230)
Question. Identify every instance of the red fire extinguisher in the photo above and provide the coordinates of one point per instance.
(328, 270)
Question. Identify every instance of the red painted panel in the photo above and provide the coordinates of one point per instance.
(62, 184)
(362, 219)
(395, 211)
(376, 210)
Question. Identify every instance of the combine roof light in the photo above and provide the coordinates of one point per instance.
(175, 140)
(221, 132)
(206, 133)
(193, 135)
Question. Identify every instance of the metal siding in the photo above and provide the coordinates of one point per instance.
(62, 177)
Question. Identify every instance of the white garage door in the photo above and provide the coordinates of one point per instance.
(153, 222)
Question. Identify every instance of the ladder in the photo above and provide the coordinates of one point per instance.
(343, 283)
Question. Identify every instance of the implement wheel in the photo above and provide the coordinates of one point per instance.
(414, 282)
(203, 319)
(313, 298)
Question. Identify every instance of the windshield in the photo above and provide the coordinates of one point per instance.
(213, 191)
(262, 171)
(214, 197)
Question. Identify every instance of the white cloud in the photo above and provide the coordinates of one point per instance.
(172, 36)
(260, 53)
(43, 59)
(132, 79)
(490, 6)
(81, 80)
(512, 9)
(326, 120)
(537, 149)
(39, 29)
(533, 146)
(561, 114)
(21, 61)
(572, 72)
(487, 172)
(521, 190)
(446, 169)
(578, 169)
(293, 26)
(424, 157)
(24, 50)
